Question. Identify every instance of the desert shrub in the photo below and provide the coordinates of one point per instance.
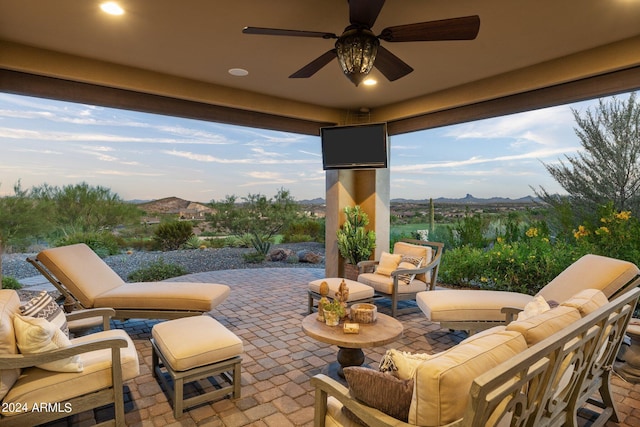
(172, 235)
(103, 244)
(141, 244)
(194, 242)
(156, 271)
(254, 257)
(471, 230)
(10, 283)
(303, 230)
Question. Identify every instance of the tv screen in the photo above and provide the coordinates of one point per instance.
(354, 147)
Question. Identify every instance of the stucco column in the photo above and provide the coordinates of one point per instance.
(368, 188)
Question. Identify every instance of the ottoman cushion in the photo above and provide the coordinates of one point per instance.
(190, 342)
(357, 291)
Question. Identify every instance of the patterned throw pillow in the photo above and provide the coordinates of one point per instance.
(409, 261)
(44, 306)
(379, 390)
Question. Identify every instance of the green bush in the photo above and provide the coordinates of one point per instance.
(156, 271)
(194, 242)
(173, 235)
(10, 283)
(304, 230)
(103, 244)
(254, 257)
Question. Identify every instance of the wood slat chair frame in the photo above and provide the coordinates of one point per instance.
(395, 296)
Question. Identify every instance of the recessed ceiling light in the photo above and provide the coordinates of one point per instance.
(239, 72)
(112, 8)
(370, 82)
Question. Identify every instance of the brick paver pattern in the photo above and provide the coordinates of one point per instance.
(265, 309)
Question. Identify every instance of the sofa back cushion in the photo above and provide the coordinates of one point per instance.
(9, 306)
(537, 328)
(424, 252)
(81, 271)
(590, 272)
(442, 383)
(586, 301)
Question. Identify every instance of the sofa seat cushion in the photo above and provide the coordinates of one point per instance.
(37, 385)
(164, 296)
(384, 284)
(537, 328)
(357, 291)
(465, 304)
(442, 384)
(9, 306)
(336, 417)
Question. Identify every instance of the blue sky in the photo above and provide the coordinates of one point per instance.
(146, 156)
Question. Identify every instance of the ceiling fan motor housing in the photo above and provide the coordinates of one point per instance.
(356, 50)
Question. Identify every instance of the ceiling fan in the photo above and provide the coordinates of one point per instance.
(358, 49)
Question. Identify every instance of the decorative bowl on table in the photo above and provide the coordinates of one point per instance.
(364, 313)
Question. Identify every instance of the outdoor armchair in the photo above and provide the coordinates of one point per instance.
(412, 268)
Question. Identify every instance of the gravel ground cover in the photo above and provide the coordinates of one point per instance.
(193, 260)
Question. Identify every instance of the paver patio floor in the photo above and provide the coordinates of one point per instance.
(265, 309)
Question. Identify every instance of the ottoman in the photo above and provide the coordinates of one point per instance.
(358, 292)
(195, 348)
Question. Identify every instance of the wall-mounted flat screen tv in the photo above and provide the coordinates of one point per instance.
(354, 147)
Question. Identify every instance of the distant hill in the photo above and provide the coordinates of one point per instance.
(470, 200)
(175, 205)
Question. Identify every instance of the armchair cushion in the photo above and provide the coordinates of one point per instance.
(43, 305)
(9, 305)
(379, 390)
(384, 284)
(424, 252)
(586, 301)
(37, 335)
(37, 385)
(388, 263)
(408, 262)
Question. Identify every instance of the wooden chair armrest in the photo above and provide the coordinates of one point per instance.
(326, 386)
(510, 313)
(366, 266)
(11, 361)
(105, 313)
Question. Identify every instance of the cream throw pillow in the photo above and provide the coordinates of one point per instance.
(537, 306)
(38, 335)
(388, 263)
(402, 364)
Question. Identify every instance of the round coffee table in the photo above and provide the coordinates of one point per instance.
(384, 330)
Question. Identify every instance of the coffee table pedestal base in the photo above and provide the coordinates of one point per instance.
(349, 357)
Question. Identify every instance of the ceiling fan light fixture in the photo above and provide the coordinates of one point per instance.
(356, 50)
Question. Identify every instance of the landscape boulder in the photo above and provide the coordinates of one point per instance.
(310, 257)
(280, 255)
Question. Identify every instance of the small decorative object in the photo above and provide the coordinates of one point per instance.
(351, 328)
(331, 318)
(333, 312)
(324, 291)
(364, 313)
(342, 294)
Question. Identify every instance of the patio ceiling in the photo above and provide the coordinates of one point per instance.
(173, 57)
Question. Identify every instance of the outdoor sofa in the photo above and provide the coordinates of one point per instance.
(537, 371)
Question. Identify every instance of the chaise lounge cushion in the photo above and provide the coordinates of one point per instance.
(442, 384)
(37, 385)
(95, 284)
(468, 305)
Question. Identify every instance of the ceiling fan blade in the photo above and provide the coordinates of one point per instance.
(314, 66)
(463, 28)
(390, 65)
(281, 32)
(364, 12)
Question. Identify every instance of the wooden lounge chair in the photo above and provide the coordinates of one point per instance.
(474, 310)
(86, 281)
